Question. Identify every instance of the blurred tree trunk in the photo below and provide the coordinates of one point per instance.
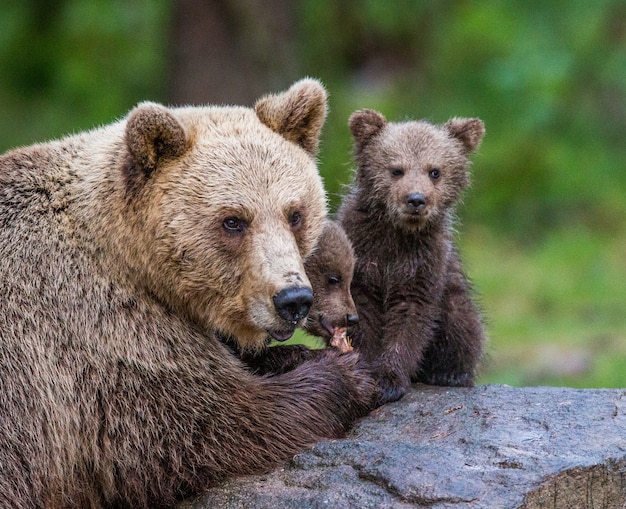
(230, 51)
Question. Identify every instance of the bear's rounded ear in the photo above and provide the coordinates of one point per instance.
(297, 114)
(153, 134)
(364, 124)
(469, 131)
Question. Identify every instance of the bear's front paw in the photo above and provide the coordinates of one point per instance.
(356, 374)
(280, 359)
(389, 388)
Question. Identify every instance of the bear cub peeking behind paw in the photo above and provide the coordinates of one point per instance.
(417, 320)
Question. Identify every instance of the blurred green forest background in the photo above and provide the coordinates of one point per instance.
(543, 229)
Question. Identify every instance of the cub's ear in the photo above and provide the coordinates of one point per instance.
(297, 114)
(469, 131)
(364, 124)
(152, 135)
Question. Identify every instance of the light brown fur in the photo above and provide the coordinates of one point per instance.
(122, 252)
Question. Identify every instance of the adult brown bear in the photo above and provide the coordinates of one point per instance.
(122, 251)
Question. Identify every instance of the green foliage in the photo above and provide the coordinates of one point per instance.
(70, 65)
(555, 310)
(547, 79)
(544, 228)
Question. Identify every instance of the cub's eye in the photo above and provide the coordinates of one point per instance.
(295, 219)
(396, 172)
(234, 225)
(334, 280)
(435, 173)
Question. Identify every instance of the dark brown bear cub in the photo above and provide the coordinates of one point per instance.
(417, 320)
(330, 270)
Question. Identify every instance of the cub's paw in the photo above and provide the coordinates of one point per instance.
(389, 388)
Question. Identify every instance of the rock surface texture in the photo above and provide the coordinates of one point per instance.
(442, 448)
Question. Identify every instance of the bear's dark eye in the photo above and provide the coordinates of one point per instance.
(295, 219)
(435, 173)
(396, 172)
(334, 280)
(234, 225)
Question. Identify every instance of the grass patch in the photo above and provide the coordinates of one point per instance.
(301, 338)
(556, 311)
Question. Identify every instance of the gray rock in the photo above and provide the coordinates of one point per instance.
(485, 447)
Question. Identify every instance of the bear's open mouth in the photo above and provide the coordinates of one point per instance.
(318, 325)
(281, 335)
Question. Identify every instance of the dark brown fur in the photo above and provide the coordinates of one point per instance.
(330, 269)
(122, 251)
(417, 319)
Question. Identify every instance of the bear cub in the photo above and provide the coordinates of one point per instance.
(330, 269)
(417, 319)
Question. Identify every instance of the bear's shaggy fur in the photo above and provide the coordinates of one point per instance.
(417, 319)
(122, 251)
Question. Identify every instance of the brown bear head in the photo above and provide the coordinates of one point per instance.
(330, 270)
(413, 171)
(225, 203)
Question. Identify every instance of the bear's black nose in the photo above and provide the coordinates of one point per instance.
(352, 320)
(293, 303)
(416, 201)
